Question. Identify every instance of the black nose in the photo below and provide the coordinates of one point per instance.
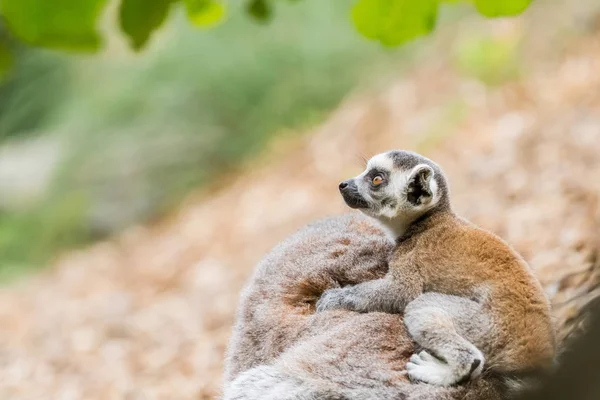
(344, 185)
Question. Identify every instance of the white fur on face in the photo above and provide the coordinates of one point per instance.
(397, 213)
(381, 161)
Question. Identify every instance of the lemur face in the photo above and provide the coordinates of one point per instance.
(395, 185)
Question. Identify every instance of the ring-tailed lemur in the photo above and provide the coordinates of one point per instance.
(282, 350)
(439, 261)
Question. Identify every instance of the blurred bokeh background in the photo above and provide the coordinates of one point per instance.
(138, 190)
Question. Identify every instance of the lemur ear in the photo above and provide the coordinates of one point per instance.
(421, 185)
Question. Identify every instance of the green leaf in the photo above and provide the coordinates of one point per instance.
(394, 22)
(205, 13)
(139, 18)
(501, 8)
(58, 24)
(260, 10)
(6, 59)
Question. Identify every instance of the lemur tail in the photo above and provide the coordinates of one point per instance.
(269, 383)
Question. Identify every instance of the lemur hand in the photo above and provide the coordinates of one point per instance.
(335, 299)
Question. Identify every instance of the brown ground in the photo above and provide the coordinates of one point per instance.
(148, 315)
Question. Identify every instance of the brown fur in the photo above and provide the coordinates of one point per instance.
(276, 307)
(463, 290)
(446, 254)
(280, 349)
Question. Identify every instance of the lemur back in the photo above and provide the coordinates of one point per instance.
(451, 256)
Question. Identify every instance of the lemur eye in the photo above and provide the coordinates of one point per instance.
(377, 180)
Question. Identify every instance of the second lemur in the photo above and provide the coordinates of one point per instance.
(440, 260)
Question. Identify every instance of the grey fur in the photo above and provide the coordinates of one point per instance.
(435, 321)
(384, 295)
(451, 328)
(277, 306)
(281, 349)
(406, 160)
(270, 383)
(432, 244)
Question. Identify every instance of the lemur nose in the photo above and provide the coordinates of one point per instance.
(343, 185)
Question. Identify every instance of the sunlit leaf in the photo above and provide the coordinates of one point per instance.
(260, 10)
(139, 18)
(5, 59)
(59, 24)
(205, 13)
(501, 8)
(394, 22)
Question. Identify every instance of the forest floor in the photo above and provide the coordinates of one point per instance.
(147, 315)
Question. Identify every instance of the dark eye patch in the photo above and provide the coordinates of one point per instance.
(377, 172)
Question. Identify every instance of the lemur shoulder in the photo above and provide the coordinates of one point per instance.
(438, 258)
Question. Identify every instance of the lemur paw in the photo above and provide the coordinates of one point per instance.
(426, 368)
(331, 299)
(423, 367)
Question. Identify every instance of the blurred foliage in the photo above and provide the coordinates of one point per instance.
(5, 58)
(259, 9)
(204, 13)
(501, 8)
(29, 238)
(140, 132)
(395, 22)
(140, 17)
(33, 91)
(72, 24)
(492, 60)
(64, 24)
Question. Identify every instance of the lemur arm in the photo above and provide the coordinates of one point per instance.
(388, 294)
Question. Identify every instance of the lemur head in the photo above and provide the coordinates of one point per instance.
(397, 188)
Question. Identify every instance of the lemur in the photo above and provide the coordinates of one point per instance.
(281, 349)
(439, 261)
